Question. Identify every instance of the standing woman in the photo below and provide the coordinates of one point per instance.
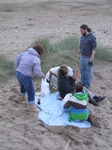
(86, 54)
(28, 65)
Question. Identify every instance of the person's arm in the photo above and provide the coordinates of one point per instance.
(67, 104)
(75, 75)
(37, 71)
(92, 56)
(17, 61)
(93, 44)
(78, 55)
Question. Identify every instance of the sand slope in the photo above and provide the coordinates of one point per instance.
(21, 22)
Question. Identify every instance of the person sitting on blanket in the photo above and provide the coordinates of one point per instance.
(77, 102)
(52, 75)
(66, 85)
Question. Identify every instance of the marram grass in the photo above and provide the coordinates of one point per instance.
(60, 52)
(6, 68)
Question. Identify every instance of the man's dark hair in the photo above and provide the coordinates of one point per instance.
(85, 27)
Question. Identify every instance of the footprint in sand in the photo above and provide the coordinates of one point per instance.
(14, 90)
(103, 88)
(15, 98)
(98, 75)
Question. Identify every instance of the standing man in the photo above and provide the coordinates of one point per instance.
(86, 54)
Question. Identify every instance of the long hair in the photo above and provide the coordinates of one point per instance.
(62, 71)
(39, 49)
(85, 27)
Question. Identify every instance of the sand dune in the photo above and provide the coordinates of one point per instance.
(23, 21)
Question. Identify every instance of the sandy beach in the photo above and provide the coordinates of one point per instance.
(21, 23)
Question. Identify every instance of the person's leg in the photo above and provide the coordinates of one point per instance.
(93, 120)
(89, 71)
(89, 93)
(93, 99)
(28, 84)
(20, 78)
(82, 70)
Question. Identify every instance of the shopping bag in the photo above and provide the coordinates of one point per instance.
(44, 88)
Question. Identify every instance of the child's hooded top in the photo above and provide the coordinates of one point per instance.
(78, 104)
(28, 63)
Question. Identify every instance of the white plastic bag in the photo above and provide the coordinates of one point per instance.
(44, 88)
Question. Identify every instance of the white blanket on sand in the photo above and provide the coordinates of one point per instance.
(52, 113)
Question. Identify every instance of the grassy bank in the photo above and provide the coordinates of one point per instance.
(65, 52)
(60, 52)
(6, 68)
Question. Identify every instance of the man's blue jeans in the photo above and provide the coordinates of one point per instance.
(26, 85)
(86, 71)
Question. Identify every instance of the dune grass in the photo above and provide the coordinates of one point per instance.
(60, 52)
(65, 52)
(6, 68)
(102, 53)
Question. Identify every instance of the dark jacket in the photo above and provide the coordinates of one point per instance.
(87, 44)
(65, 85)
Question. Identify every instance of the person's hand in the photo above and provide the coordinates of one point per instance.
(91, 59)
(43, 77)
(75, 75)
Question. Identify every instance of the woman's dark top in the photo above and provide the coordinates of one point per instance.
(65, 85)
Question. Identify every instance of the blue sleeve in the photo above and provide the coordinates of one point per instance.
(93, 42)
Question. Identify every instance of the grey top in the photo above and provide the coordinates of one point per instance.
(29, 64)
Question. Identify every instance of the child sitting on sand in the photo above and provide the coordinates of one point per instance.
(76, 103)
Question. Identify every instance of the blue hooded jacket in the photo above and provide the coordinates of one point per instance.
(87, 44)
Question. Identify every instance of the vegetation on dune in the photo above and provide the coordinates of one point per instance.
(60, 52)
(65, 52)
(6, 68)
(102, 53)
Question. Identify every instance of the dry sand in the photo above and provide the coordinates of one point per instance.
(23, 21)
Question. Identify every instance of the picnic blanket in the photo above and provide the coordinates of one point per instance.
(52, 113)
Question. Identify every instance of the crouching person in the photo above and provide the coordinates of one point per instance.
(52, 75)
(76, 103)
